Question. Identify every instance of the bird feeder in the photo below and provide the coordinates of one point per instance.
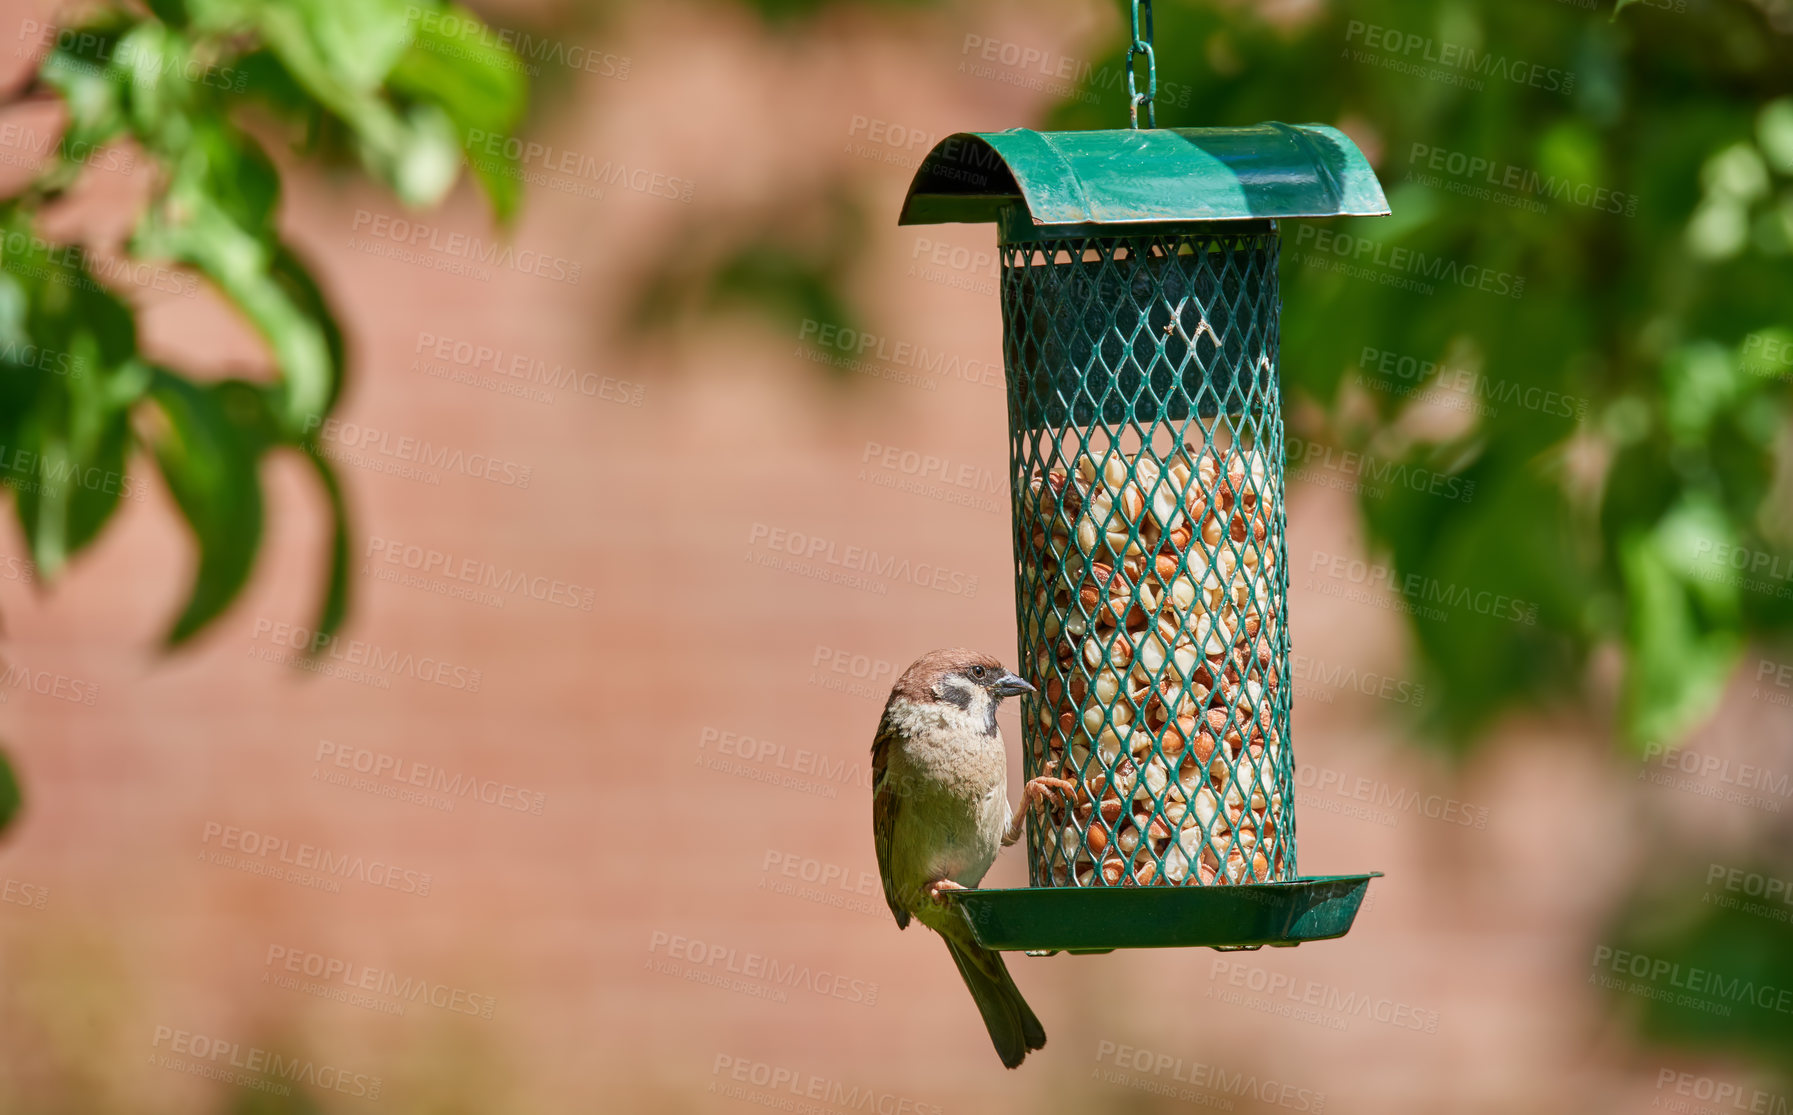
(1140, 314)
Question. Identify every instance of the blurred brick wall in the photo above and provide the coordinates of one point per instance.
(629, 822)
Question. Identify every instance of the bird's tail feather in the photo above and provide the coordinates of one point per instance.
(1014, 1029)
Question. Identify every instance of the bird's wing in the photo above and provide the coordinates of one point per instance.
(885, 804)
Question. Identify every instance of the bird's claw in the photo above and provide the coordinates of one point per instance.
(1042, 789)
(935, 889)
(1038, 791)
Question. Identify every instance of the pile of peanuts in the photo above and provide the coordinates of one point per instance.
(1159, 667)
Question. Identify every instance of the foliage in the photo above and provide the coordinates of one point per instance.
(11, 800)
(1593, 214)
(788, 266)
(191, 87)
(1594, 245)
(782, 12)
(1707, 966)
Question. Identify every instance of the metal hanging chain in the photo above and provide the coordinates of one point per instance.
(1142, 44)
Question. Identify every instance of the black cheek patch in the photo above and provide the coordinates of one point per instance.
(956, 695)
(990, 717)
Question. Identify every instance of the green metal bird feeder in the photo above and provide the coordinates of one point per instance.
(1140, 306)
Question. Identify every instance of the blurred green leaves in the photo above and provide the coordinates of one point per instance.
(788, 265)
(1708, 966)
(378, 78)
(1629, 177)
(208, 456)
(1631, 407)
(11, 799)
(780, 12)
(1681, 639)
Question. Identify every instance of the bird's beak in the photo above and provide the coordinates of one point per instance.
(1011, 685)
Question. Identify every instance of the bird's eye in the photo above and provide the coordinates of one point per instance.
(977, 673)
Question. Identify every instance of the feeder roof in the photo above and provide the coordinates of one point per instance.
(1123, 176)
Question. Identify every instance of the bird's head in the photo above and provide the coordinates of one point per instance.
(972, 682)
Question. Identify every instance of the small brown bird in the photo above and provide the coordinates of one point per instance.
(940, 813)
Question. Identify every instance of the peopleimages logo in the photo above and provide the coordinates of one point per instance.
(465, 360)
(44, 683)
(844, 345)
(458, 27)
(536, 160)
(777, 1081)
(1723, 1095)
(855, 566)
(754, 973)
(1404, 46)
(870, 137)
(414, 990)
(1481, 177)
(92, 53)
(1685, 985)
(429, 561)
(16, 892)
(1719, 769)
(26, 470)
(24, 354)
(1362, 251)
(311, 645)
(1403, 375)
(464, 247)
(217, 1057)
(1351, 470)
(311, 857)
(1417, 590)
(1203, 1079)
(381, 767)
(18, 137)
(361, 438)
(1311, 1000)
(764, 760)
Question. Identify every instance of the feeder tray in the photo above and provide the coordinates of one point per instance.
(1140, 336)
(1045, 920)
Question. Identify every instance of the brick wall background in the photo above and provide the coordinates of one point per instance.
(1464, 987)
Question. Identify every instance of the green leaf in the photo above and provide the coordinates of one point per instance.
(196, 228)
(72, 440)
(1700, 382)
(1718, 960)
(339, 47)
(480, 84)
(334, 607)
(11, 798)
(72, 490)
(296, 282)
(373, 74)
(1681, 638)
(232, 170)
(427, 159)
(342, 54)
(172, 12)
(152, 61)
(210, 464)
(499, 175)
(1481, 558)
(1774, 134)
(478, 80)
(93, 90)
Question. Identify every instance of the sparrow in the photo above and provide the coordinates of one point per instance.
(940, 813)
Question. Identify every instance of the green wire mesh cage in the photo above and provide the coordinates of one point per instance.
(1146, 446)
(1140, 323)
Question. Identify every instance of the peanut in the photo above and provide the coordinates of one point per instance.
(1149, 583)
